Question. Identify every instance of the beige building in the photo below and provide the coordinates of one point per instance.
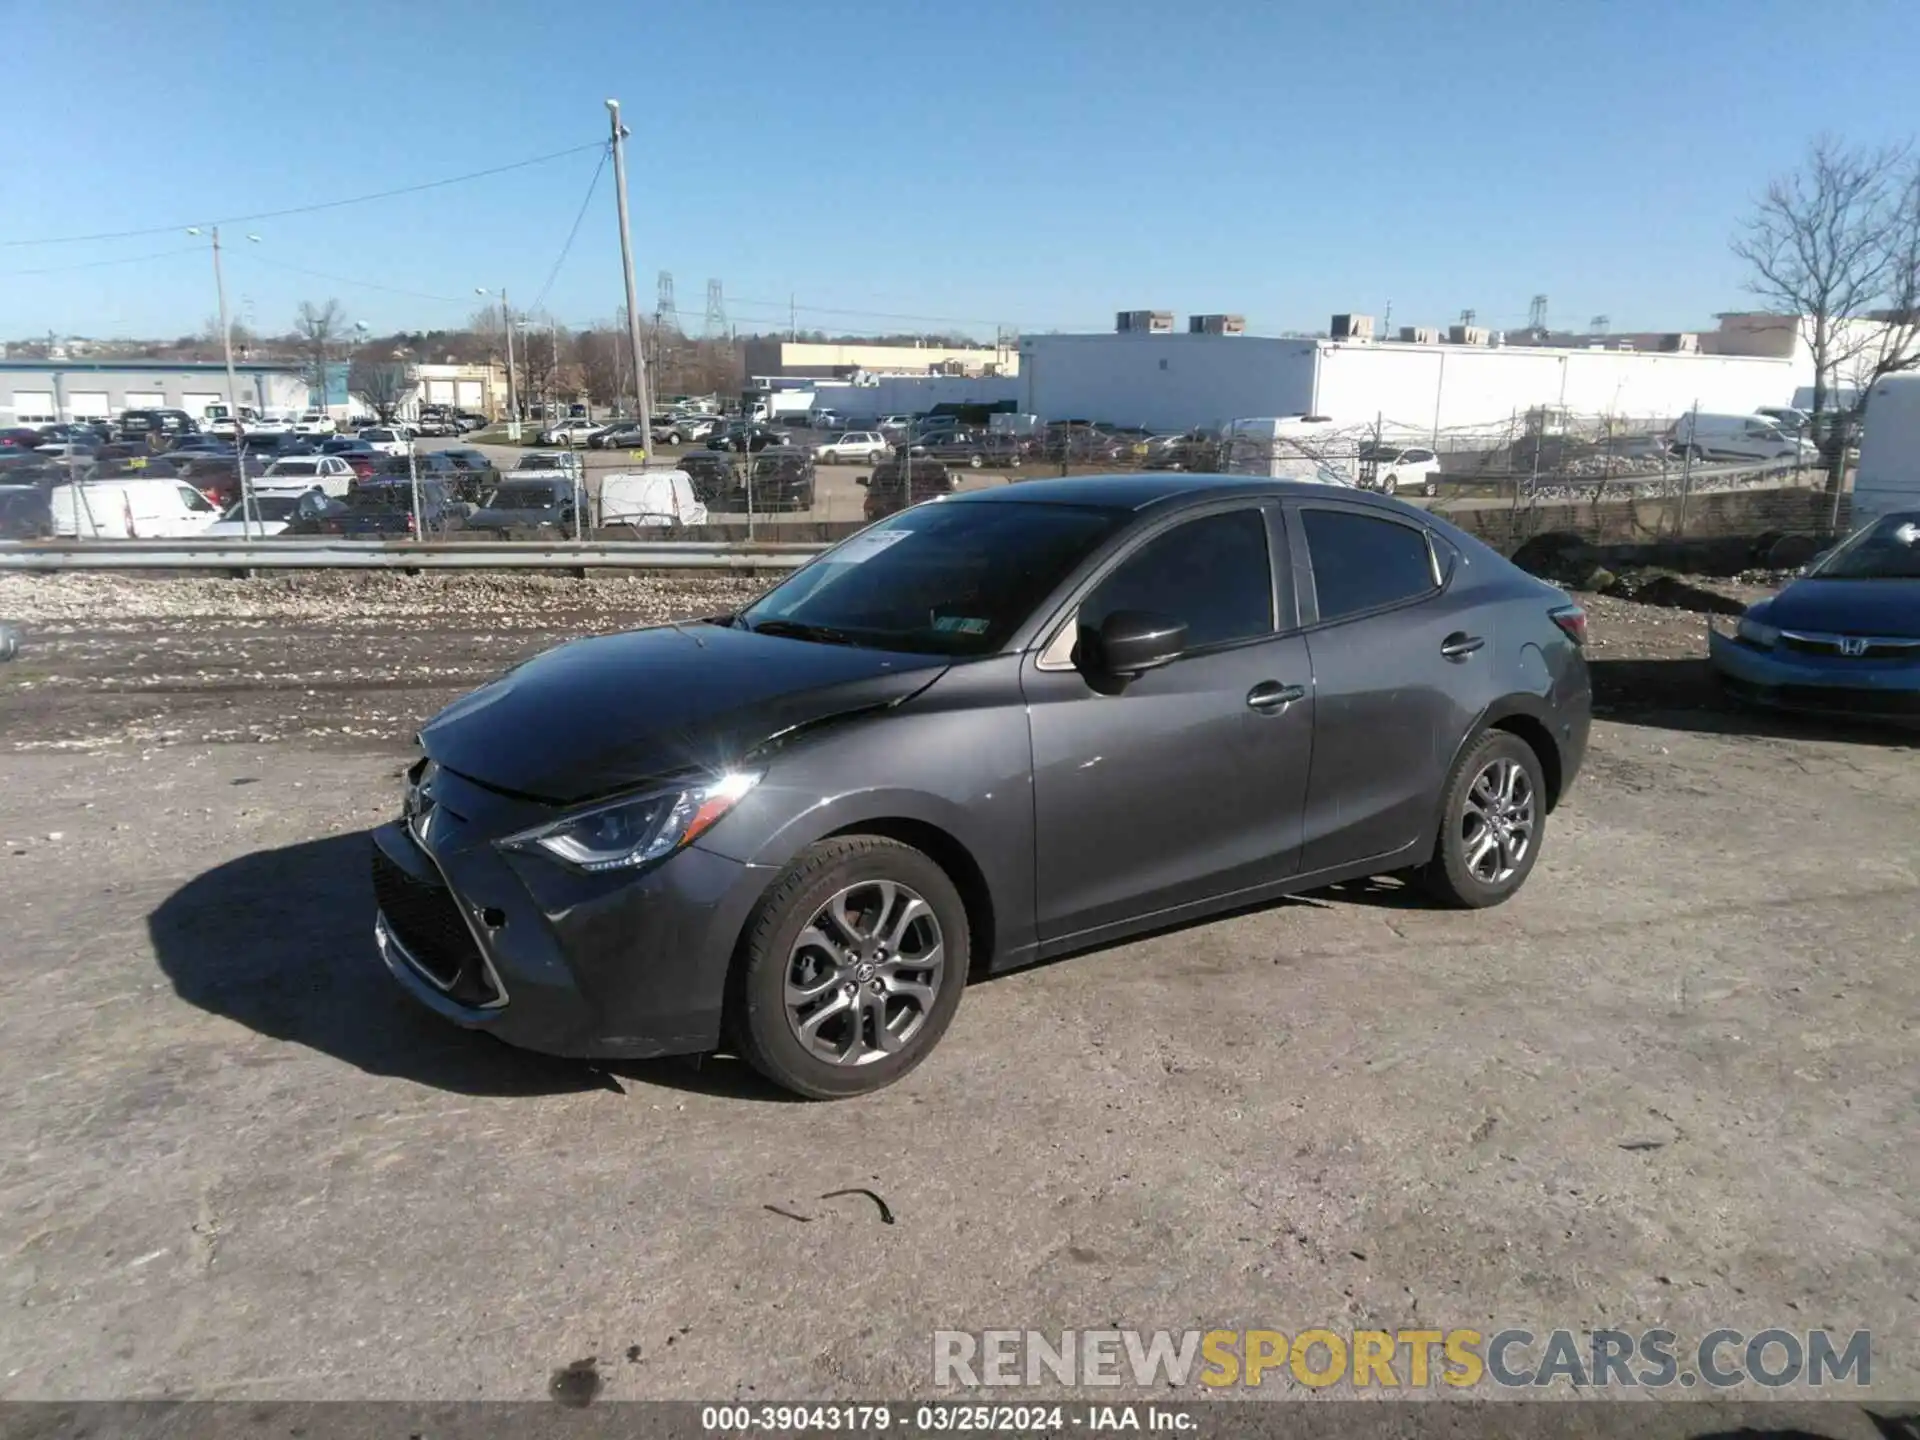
(479, 388)
(777, 359)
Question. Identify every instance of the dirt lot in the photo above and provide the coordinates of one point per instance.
(1672, 1083)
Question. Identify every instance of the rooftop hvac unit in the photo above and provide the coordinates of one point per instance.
(1687, 344)
(1216, 324)
(1419, 335)
(1150, 322)
(1352, 327)
(1467, 335)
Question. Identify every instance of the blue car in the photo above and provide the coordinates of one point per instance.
(1844, 639)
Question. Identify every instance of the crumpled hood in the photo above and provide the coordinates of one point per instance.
(599, 715)
(1847, 607)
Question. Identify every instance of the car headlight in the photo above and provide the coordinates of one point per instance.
(1755, 632)
(636, 831)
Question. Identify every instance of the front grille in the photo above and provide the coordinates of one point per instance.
(1833, 645)
(427, 921)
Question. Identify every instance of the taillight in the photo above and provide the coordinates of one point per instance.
(1573, 620)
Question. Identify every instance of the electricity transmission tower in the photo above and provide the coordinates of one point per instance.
(716, 323)
(1467, 317)
(1537, 313)
(665, 318)
(1599, 324)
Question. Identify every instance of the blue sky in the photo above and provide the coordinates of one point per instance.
(1037, 163)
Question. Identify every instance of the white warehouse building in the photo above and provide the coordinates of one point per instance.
(1167, 381)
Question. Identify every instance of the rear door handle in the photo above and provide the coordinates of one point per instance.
(1459, 645)
(1271, 695)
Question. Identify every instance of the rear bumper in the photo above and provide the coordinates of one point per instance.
(569, 965)
(1816, 684)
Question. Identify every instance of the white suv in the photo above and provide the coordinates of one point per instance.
(314, 422)
(863, 446)
(1394, 469)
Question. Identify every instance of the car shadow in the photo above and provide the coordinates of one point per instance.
(1682, 694)
(281, 941)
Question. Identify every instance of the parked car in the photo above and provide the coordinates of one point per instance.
(129, 507)
(26, 512)
(300, 473)
(902, 481)
(777, 478)
(974, 448)
(388, 439)
(144, 425)
(427, 464)
(383, 509)
(473, 475)
(647, 499)
(314, 422)
(826, 878)
(470, 422)
(1844, 638)
(853, 446)
(20, 437)
(549, 506)
(574, 431)
(710, 472)
(752, 439)
(270, 515)
(1202, 451)
(1737, 437)
(1395, 469)
(547, 462)
(620, 435)
(200, 445)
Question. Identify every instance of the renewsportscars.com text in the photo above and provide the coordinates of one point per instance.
(1457, 1359)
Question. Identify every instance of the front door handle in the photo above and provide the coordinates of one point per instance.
(1459, 645)
(1271, 695)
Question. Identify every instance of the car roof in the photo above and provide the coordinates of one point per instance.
(1137, 491)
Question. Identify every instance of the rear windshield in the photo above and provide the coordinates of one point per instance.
(954, 579)
(523, 496)
(381, 497)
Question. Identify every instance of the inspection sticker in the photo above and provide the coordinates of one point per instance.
(864, 547)
(965, 624)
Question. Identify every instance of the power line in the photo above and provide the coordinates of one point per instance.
(122, 260)
(348, 280)
(592, 185)
(310, 209)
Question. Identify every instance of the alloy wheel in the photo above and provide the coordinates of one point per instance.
(863, 973)
(1497, 822)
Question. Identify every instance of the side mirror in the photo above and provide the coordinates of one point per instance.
(1129, 642)
(862, 480)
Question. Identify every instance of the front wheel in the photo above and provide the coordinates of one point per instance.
(977, 461)
(851, 968)
(831, 457)
(1431, 488)
(1492, 825)
(1389, 484)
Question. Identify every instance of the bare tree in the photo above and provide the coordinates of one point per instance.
(596, 356)
(383, 384)
(1837, 245)
(319, 327)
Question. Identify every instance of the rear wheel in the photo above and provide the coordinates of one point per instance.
(1431, 487)
(851, 968)
(831, 457)
(977, 461)
(1492, 826)
(1389, 484)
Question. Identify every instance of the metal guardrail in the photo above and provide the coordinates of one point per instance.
(189, 554)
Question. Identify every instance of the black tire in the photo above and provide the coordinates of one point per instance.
(756, 1004)
(1430, 489)
(978, 462)
(1450, 877)
(831, 457)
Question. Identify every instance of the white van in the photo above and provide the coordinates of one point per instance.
(129, 509)
(1889, 475)
(1738, 437)
(650, 498)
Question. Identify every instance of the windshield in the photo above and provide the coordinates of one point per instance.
(293, 467)
(954, 579)
(381, 497)
(1889, 549)
(524, 497)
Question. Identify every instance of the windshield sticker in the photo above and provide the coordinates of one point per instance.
(862, 548)
(962, 624)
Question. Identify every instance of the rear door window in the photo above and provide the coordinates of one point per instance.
(1365, 562)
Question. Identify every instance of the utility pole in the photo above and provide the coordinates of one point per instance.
(640, 389)
(793, 322)
(513, 397)
(233, 395)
